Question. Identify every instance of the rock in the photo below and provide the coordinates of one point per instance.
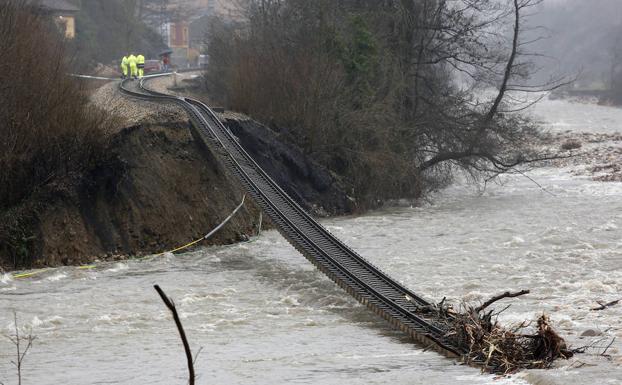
(591, 333)
(571, 144)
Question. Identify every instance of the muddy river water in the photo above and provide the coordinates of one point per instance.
(263, 315)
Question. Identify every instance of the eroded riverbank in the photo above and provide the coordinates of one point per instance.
(158, 189)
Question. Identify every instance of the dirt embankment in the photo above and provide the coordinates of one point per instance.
(162, 189)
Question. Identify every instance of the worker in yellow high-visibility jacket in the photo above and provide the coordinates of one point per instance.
(140, 62)
(124, 66)
(133, 66)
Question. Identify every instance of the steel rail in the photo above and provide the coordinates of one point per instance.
(227, 133)
(360, 278)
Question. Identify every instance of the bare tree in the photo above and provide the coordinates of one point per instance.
(22, 344)
(487, 137)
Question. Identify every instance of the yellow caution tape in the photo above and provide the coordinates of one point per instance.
(188, 245)
(206, 236)
(29, 274)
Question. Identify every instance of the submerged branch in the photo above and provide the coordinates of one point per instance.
(171, 306)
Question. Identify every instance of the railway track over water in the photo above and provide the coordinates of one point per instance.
(357, 276)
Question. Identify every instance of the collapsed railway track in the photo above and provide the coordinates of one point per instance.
(357, 276)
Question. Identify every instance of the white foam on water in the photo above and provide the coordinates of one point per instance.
(117, 267)
(56, 277)
(6, 278)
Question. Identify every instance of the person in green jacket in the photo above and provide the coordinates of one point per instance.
(124, 67)
(133, 66)
(140, 62)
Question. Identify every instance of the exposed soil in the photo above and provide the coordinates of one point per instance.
(161, 189)
(159, 194)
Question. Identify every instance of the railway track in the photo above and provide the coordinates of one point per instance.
(357, 276)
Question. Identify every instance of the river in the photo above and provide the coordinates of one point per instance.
(263, 315)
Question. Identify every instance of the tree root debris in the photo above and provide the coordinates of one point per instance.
(500, 349)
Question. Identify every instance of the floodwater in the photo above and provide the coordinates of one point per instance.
(263, 315)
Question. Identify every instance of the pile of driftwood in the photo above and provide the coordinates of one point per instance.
(497, 348)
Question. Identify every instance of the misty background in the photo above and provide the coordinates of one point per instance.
(583, 38)
(574, 37)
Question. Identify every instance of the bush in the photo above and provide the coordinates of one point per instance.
(48, 130)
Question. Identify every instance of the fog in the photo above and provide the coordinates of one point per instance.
(582, 38)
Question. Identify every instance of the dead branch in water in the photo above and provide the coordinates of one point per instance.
(21, 351)
(603, 306)
(496, 298)
(171, 306)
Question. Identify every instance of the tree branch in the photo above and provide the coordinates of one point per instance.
(510, 65)
(494, 299)
(171, 306)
